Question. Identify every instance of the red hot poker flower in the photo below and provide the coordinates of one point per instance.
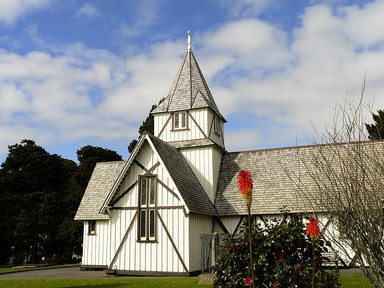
(313, 228)
(248, 281)
(245, 183)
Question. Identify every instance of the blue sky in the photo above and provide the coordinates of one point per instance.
(76, 73)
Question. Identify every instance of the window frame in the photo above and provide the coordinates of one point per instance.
(91, 227)
(216, 125)
(147, 209)
(178, 119)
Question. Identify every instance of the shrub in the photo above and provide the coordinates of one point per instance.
(282, 257)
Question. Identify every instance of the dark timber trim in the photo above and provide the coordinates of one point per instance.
(152, 273)
(166, 123)
(168, 189)
(173, 243)
(124, 193)
(123, 241)
(157, 207)
(198, 126)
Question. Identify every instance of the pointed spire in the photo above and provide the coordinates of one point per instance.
(189, 89)
(189, 47)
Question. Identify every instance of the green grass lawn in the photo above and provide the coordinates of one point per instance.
(354, 281)
(348, 281)
(16, 270)
(100, 283)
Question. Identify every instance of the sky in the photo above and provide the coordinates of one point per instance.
(76, 73)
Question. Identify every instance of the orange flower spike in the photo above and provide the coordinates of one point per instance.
(313, 228)
(245, 183)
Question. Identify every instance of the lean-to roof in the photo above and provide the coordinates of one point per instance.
(103, 177)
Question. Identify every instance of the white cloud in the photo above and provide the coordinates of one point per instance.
(88, 10)
(364, 25)
(295, 84)
(12, 10)
(245, 40)
(282, 80)
(81, 93)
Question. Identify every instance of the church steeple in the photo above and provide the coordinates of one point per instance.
(188, 118)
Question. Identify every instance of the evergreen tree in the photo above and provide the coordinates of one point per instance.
(376, 130)
(147, 126)
(33, 185)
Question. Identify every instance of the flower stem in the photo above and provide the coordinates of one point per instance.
(250, 245)
(313, 264)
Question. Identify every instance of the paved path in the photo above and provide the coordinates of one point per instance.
(74, 272)
(64, 273)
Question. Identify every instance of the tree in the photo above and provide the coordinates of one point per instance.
(147, 126)
(33, 187)
(348, 173)
(376, 131)
(39, 196)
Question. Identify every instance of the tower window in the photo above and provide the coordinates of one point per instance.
(216, 125)
(180, 120)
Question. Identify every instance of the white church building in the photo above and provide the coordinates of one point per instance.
(144, 216)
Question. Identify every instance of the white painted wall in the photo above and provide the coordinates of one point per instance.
(150, 257)
(94, 252)
(199, 224)
(200, 126)
(205, 163)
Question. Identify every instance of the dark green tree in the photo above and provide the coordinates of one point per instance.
(33, 185)
(376, 130)
(146, 126)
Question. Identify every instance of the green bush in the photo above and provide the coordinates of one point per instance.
(282, 257)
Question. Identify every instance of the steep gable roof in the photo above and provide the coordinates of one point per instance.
(189, 187)
(189, 89)
(103, 177)
(185, 180)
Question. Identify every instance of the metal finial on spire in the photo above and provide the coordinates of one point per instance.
(189, 47)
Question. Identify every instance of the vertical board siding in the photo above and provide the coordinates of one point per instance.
(163, 126)
(204, 118)
(218, 139)
(205, 163)
(92, 254)
(149, 257)
(199, 224)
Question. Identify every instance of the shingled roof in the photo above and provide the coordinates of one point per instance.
(273, 190)
(185, 180)
(189, 89)
(103, 177)
(282, 177)
(106, 175)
